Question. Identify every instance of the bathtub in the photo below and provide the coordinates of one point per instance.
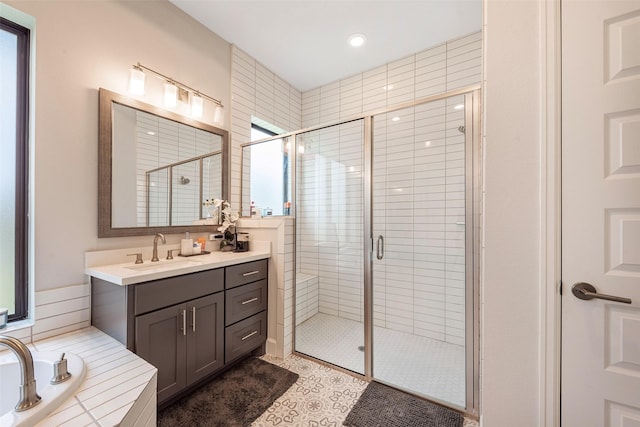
(52, 395)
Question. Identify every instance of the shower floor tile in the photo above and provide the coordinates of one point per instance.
(421, 365)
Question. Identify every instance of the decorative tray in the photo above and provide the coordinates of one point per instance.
(201, 253)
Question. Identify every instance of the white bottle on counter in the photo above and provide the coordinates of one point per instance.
(186, 245)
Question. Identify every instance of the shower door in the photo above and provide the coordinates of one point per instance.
(329, 295)
(420, 187)
(384, 277)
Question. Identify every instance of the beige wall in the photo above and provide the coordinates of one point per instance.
(81, 46)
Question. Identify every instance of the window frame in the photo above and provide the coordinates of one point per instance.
(21, 244)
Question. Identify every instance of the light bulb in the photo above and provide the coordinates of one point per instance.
(136, 81)
(170, 95)
(218, 114)
(197, 105)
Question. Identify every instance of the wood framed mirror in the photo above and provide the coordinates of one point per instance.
(156, 168)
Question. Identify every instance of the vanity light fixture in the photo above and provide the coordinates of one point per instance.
(136, 81)
(170, 94)
(174, 90)
(197, 105)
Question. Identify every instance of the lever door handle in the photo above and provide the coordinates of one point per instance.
(587, 291)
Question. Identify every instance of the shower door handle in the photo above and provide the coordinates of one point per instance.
(380, 247)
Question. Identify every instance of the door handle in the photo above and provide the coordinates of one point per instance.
(380, 247)
(193, 317)
(587, 291)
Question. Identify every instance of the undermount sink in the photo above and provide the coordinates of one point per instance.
(162, 265)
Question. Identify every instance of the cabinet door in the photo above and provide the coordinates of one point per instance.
(205, 336)
(160, 340)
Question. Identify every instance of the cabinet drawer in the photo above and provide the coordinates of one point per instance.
(245, 273)
(165, 292)
(244, 301)
(245, 336)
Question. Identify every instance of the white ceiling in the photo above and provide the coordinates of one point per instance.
(305, 41)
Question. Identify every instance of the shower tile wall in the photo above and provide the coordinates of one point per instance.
(258, 96)
(329, 218)
(427, 296)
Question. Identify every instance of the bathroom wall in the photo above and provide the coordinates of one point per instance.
(424, 297)
(261, 97)
(80, 47)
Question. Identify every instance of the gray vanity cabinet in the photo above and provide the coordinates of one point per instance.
(188, 326)
(185, 342)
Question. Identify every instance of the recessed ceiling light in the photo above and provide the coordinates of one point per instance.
(395, 119)
(459, 107)
(357, 40)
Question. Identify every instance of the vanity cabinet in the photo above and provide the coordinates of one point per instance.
(189, 326)
(185, 342)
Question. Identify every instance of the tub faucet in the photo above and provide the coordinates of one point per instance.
(28, 395)
(155, 246)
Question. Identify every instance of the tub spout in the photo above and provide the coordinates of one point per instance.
(28, 395)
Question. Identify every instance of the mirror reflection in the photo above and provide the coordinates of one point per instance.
(156, 169)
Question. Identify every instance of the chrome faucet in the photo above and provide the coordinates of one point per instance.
(155, 246)
(28, 395)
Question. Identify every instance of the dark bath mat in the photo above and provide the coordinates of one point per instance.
(382, 406)
(236, 398)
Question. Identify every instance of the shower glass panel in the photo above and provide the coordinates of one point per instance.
(329, 245)
(418, 212)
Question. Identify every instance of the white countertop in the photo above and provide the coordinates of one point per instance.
(101, 265)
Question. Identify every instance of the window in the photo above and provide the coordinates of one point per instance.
(14, 167)
(269, 187)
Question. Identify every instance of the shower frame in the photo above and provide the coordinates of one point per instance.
(473, 204)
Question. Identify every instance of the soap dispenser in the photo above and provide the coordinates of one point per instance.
(186, 245)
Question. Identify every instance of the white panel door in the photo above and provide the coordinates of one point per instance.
(601, 212)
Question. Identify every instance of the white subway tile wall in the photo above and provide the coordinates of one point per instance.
(418, 198)
(257, 95)
(425, 293)
(61, 310)
(330, 214)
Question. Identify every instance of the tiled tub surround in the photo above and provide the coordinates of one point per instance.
(119, 387)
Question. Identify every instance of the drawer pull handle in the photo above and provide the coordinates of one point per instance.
(250, 273)
(193, 317)
(184, 322)
(249, 336)
(249, 300)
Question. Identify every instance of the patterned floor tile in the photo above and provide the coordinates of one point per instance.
(322, 396)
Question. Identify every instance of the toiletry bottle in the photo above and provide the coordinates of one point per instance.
(186, 245)
(203, 243)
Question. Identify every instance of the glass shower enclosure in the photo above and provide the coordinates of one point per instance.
(386, 210)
